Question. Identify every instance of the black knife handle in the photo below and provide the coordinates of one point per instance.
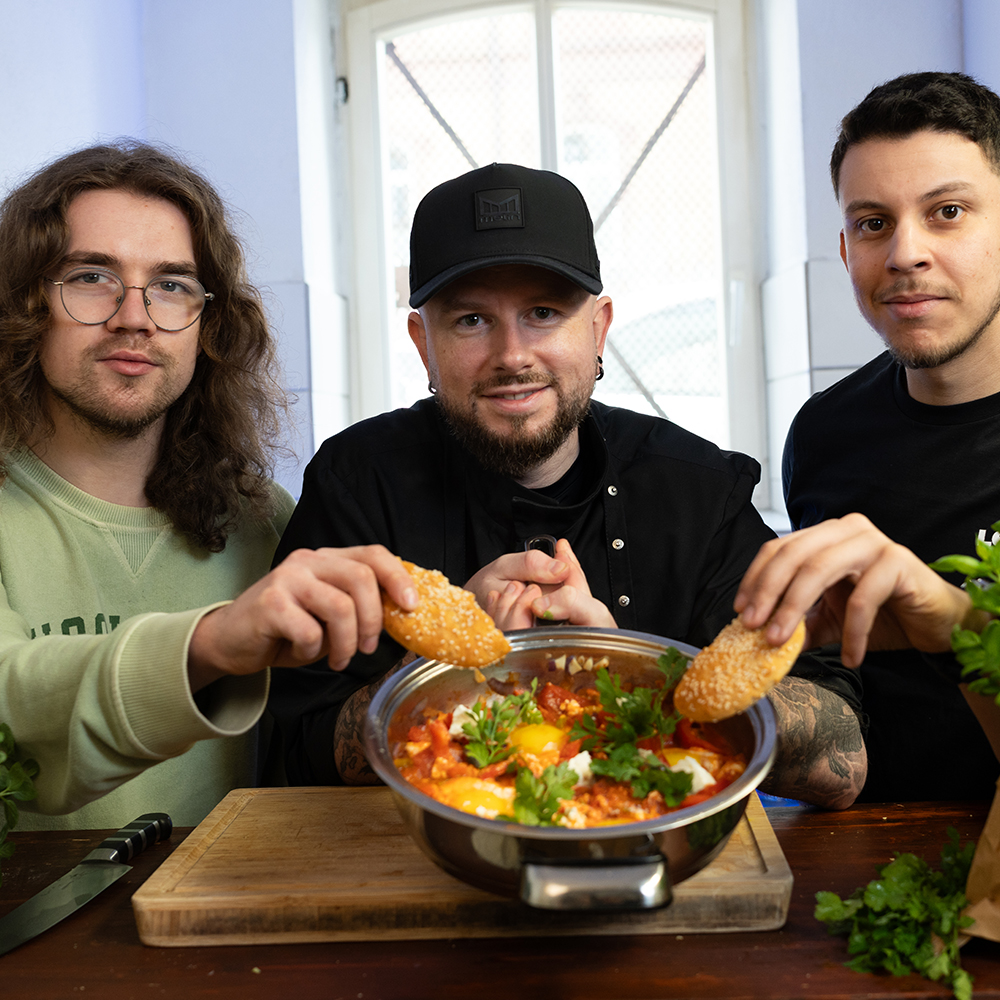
(149, 828)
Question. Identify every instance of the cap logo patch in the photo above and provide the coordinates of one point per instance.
(499, 208)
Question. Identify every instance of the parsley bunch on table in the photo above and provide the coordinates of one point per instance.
(908, 919)
(15, 786)
(979, 652)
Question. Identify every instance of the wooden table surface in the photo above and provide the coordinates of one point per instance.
(97, 953)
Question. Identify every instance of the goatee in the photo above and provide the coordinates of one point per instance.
(515, 454)
(934, 357)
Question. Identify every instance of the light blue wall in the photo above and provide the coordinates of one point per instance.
(819, 58)
(218, 82)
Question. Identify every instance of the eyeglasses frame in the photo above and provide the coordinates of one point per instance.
(209, 296)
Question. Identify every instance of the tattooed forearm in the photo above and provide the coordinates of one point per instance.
(821, 752)
(348, 741)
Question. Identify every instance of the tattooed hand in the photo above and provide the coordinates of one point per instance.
(348, 741)
(821, 752)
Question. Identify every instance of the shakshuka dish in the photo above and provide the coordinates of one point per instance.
(583, 749)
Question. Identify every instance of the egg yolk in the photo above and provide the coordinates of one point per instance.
(478, 796)
(538, 737)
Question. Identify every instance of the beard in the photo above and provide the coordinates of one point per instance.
(933, 357)
(100, 417)
(516, 453)
(123, 418)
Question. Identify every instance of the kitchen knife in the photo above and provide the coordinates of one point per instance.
(104, 865)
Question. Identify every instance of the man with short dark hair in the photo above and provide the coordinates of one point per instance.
(138, 408)
(654, 525)
(912, 439)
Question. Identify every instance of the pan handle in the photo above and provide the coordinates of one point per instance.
(633, 884)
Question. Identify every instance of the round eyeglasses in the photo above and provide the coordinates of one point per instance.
(92, 295)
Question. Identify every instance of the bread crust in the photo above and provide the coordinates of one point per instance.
(447, 623)
(736, 669)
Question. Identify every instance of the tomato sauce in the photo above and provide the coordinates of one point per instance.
(473, 757)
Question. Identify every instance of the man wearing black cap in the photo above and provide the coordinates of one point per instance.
(655, 525)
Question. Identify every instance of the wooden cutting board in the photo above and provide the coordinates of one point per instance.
(279, 865)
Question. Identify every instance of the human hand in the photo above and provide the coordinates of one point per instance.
(316, 603)
(854, 585)
(520, 603)
(506, 587)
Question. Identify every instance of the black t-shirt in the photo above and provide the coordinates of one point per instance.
(662, 522)
(927, 477)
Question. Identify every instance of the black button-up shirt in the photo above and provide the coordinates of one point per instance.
(664, 533)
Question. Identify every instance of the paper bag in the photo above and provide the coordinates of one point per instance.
(983, 887)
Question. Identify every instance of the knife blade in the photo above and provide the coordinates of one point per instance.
(102, 866)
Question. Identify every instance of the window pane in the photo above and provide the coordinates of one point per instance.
(618, 74)
(479, 75)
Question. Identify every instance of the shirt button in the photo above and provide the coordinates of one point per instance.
(624, 600)
(617, 544)
(613, 491)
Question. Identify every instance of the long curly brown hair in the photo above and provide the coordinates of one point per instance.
(214, 464)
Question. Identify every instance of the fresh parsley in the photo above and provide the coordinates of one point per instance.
(536, 800)
(15, 786)
(979, 652)
(644, 773)
(908, 919)
(672, 663)
(492, 724)
(629, 715)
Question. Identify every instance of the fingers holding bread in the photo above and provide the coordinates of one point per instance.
(447, 623)
(736, 669)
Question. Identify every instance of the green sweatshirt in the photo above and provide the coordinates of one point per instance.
(97, 605)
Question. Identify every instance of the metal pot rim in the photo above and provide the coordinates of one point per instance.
(404, 683)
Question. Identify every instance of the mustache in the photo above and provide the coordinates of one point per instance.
(523, 378)
(141, 345)
(911, 286)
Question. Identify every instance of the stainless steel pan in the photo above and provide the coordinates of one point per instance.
(622, 867)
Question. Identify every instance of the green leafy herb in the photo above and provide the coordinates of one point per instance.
(491, 725)
(673, 663)
(629, 715)
(979, 652)
(536, 800)
(908, 919)
(15, 786)
(644, 773)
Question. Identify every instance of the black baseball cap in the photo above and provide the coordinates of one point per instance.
(501, 214)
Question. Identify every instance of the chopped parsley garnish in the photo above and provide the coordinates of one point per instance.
(536, 800)
(892, 923)
(673, 663)
(491, 725)
(629, 716)
(644, 773)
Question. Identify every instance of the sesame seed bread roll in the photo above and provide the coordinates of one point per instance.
(447, 623)
(736, 669)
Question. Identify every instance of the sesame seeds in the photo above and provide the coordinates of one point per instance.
(729, 675)
(447, 623)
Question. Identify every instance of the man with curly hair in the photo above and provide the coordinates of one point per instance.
(139, 409)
